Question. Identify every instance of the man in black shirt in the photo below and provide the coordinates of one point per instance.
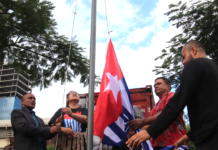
(199, 91)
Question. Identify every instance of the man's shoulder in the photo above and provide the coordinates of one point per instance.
(199, 61)
(17, 111)
(202, 65)
(39, 118)
(168, 95)
(171, 93)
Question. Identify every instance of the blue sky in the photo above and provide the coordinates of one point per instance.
(140, 32)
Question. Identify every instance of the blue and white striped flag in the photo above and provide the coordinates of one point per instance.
(181, 147)
(147, 144)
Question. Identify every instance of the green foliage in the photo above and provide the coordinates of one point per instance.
(50, 147)
(29, 43)
(198, 21)
(191, 144)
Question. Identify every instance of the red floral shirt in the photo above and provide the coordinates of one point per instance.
(175, 131)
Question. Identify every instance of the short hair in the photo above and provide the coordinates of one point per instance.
(194, 43)
(166, 81)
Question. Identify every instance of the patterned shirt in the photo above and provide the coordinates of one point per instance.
(175, 131)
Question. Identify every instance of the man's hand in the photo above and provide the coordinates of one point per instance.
(68, 111)
(67, 131)
(137, 139)
(137, 123)
(182, 141)
(59, 119)
(55, 129)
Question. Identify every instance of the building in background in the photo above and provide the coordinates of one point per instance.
(12, 87)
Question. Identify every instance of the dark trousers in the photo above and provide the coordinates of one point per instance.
(209, 144)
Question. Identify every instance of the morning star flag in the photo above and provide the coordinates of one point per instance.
(181, 147)
(114, 106)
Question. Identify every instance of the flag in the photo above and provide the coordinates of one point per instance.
(114, 106)
(146, 145)
(181, 147)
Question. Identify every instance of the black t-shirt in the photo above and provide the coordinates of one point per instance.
(199, 91)
(69, 122)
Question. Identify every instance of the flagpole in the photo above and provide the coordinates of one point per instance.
(91, 78)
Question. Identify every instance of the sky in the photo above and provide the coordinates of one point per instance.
(140, 31)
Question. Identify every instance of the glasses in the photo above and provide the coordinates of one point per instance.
(73, 93)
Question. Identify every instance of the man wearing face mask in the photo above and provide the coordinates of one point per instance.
(30, 132)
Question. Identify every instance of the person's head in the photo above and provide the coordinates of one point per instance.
(162, 86)
(192, 50)
(28, 101)
(72, 96)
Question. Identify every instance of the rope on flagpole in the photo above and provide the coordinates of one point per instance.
(106, 17)
(71, 42)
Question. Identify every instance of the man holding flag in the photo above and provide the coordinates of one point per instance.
(198, 90)
(114, 106)
(176, 130)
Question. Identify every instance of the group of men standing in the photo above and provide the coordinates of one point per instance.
(198, 91)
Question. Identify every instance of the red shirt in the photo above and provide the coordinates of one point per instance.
(175, 131)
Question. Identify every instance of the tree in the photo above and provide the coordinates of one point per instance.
(29, 43)
(198, 21)
(191, 144)
(50, 147)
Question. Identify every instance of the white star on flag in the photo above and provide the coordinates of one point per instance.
(113, 85)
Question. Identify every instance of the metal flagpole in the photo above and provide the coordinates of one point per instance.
(91, 78)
